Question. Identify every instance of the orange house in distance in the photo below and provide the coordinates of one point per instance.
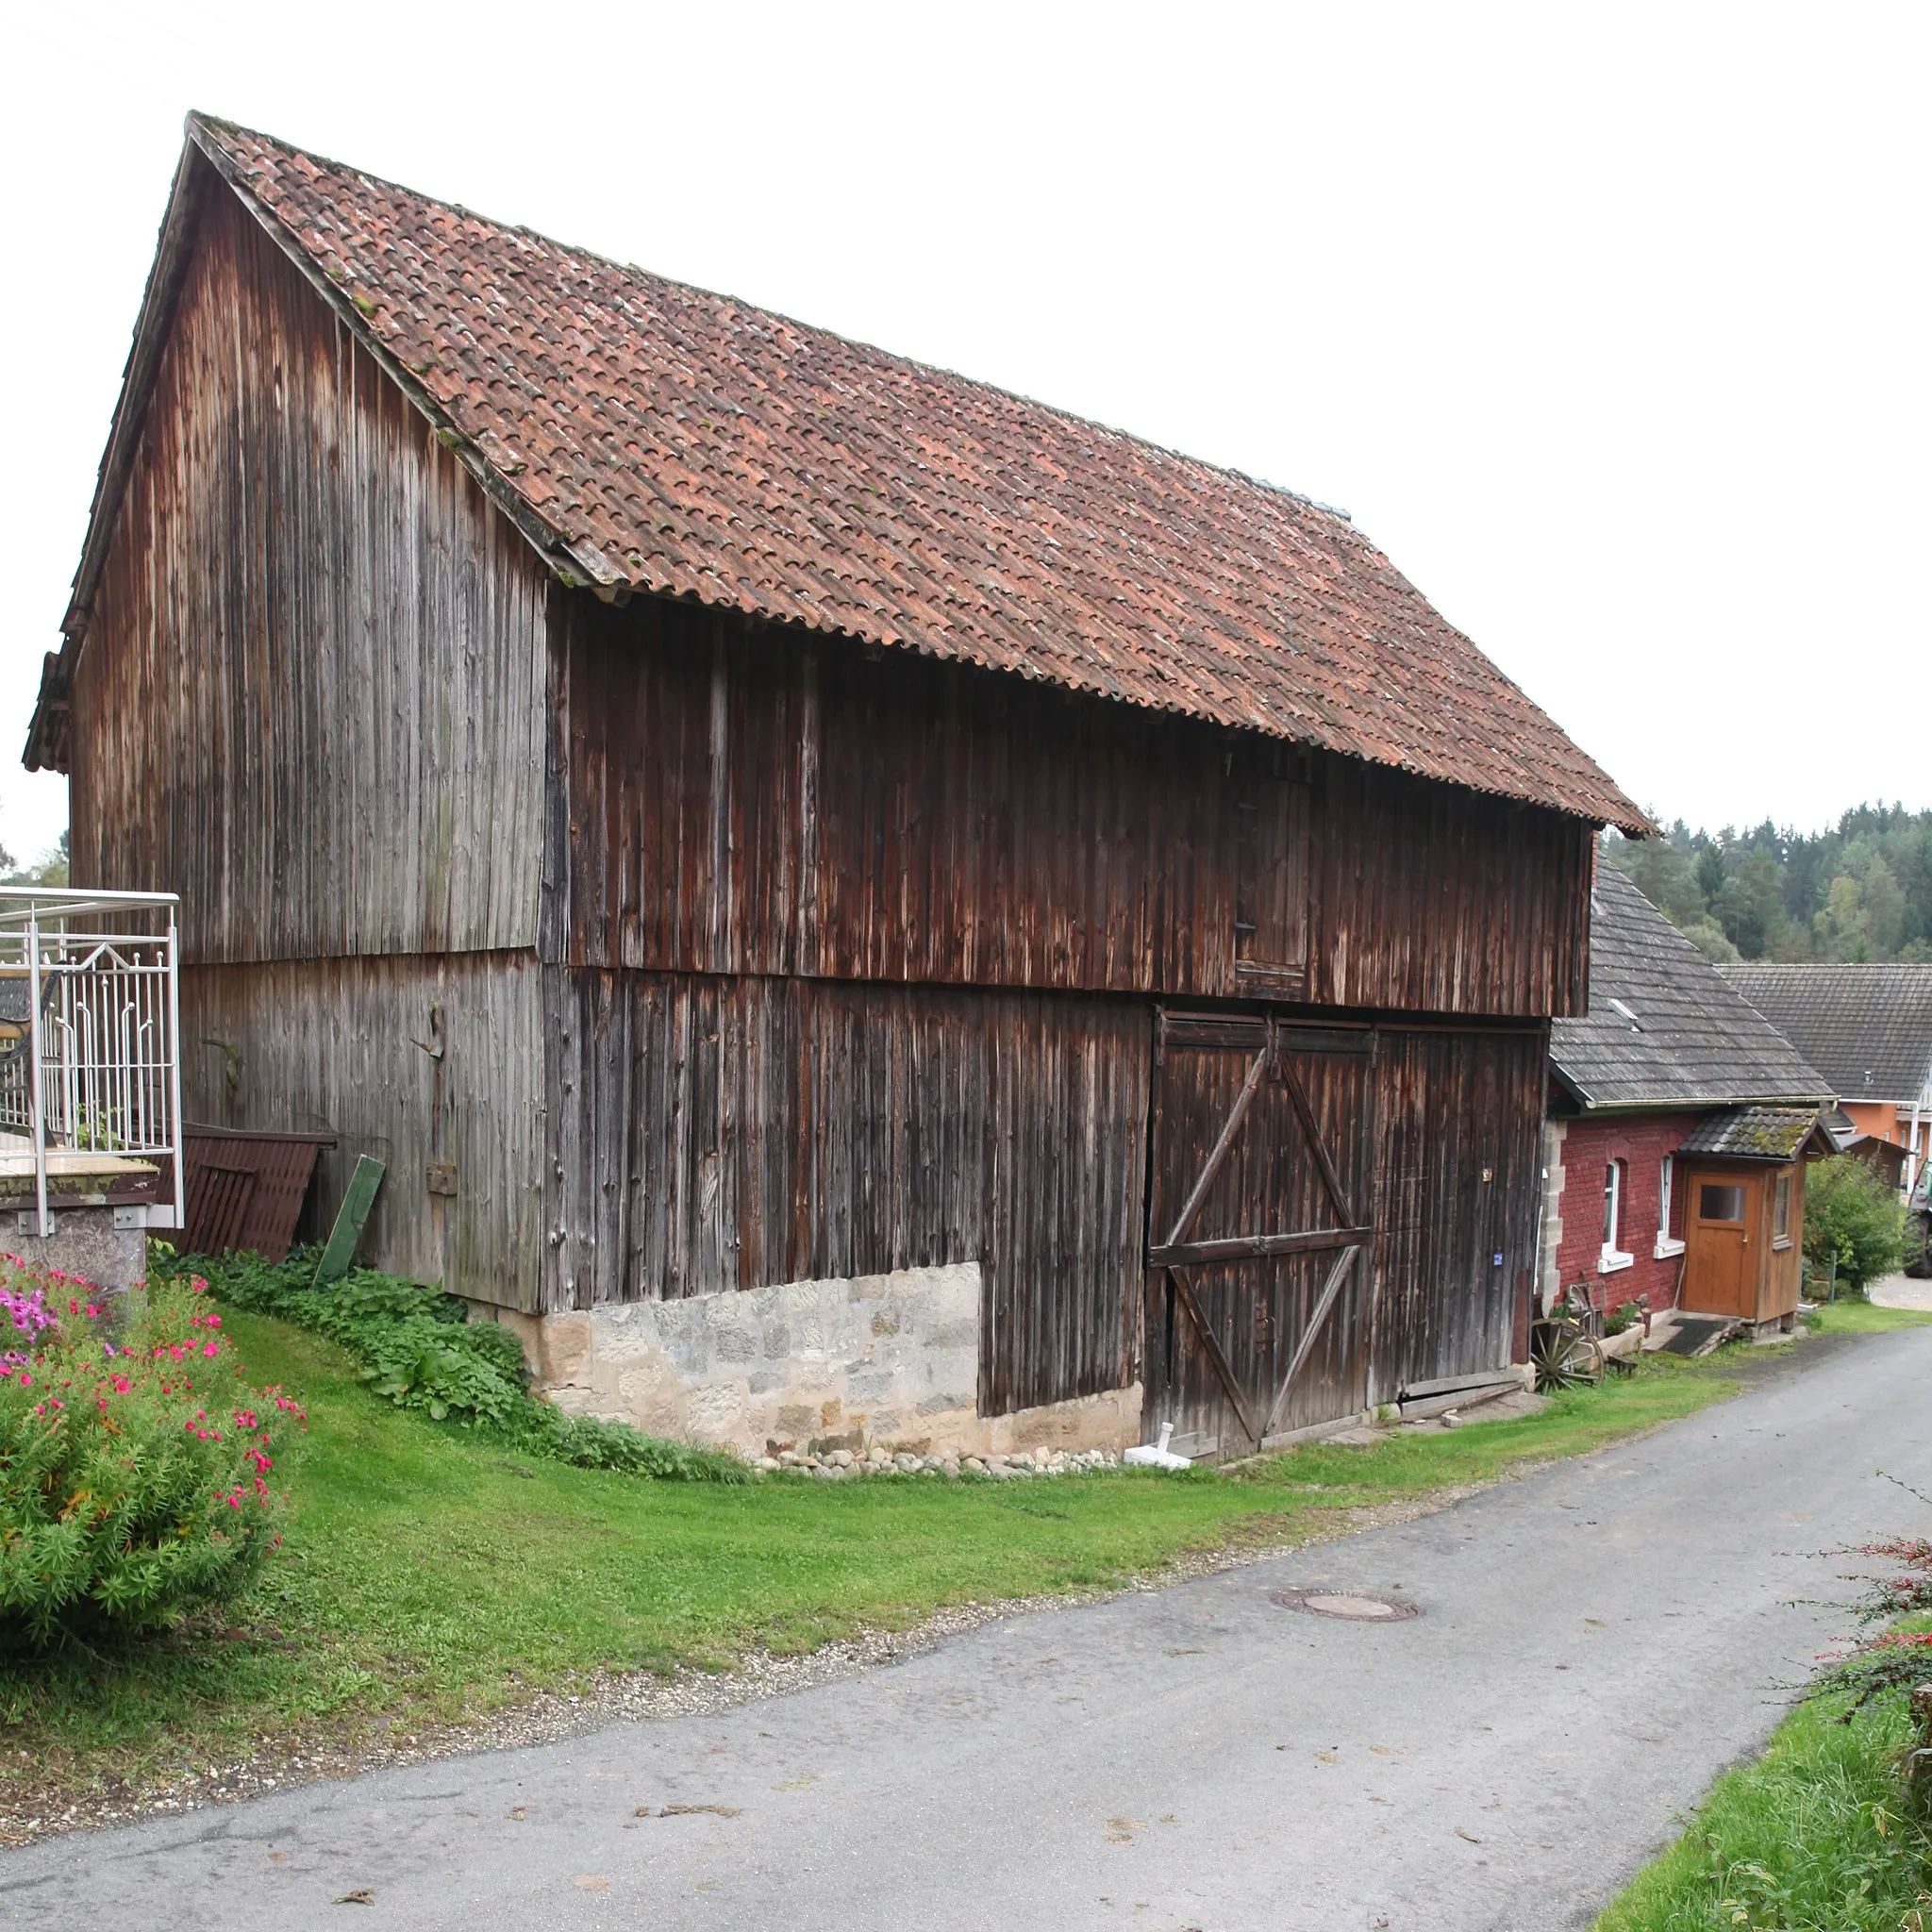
(1868, 1029)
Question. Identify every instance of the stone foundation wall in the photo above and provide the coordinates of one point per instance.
(891, 1360)
(85, 1243)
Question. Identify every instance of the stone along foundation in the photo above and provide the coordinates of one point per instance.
(98, 1211)
(878, 1360)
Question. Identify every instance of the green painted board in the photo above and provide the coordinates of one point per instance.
(350, 1218)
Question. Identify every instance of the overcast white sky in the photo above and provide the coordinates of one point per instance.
(1609, 325)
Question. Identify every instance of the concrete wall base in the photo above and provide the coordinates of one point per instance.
(892, 1359)
(87, 1244)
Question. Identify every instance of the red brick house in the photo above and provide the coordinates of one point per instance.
(1679, 1123)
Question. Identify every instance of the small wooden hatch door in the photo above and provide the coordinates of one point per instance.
(1258, 1216)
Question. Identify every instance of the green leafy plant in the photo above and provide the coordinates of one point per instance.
(133, 1465)
(1897, 1661)
(419, 1349)
(1851, 1216)
(93, 1131)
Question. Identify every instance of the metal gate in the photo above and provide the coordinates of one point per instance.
(1261, 1230)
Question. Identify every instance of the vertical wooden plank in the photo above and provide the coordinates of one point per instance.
(313, 674)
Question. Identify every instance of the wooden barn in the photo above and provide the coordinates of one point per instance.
(853, 905)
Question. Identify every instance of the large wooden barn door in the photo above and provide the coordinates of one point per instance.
(1259, 1230)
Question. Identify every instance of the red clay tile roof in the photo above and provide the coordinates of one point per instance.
(684, 443)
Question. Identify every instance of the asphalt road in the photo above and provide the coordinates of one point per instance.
(1595, 1644)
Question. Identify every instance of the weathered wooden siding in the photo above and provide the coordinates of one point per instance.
(1435, 1139)
(1270, 1184)
(730, 798)
(344, 1045)
(1430, 900)
(1460, 1166)
(310, 699)
(718, 1133)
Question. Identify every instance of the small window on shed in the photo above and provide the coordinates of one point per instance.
(1716, 1203)
(1781, 1210)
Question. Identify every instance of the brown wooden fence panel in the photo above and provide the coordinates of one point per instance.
(245, 1190)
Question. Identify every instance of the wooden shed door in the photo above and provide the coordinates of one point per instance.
(1258, 1225)
(1720, 1233)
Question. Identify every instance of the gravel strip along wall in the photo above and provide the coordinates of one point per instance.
(841, 1463)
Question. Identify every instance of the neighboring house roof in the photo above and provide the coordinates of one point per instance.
(1883, 1157)
(1759, 1133)
(1664, 1027)
(646, 435)
(1867, 1029)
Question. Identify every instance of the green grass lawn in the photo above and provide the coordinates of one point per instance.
(428, 1574)
(1807, 1840)
(1857, 1316)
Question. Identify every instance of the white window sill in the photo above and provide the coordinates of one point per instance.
(1666, 1248)
(1609, 1260)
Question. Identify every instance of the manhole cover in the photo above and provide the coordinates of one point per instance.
(1354, 1604)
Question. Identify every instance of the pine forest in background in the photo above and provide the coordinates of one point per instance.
(1861, 891)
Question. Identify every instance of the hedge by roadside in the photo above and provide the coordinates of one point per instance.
(1812, 1837)
(418, 1348)
(1831, 1830)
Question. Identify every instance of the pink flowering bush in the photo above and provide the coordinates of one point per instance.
(134, 1467)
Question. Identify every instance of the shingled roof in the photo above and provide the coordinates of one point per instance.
(1759, 1133)
(1683, 1036)
(1869, 1028)
(647, 436)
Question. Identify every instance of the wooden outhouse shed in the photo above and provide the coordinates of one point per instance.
(853, 904)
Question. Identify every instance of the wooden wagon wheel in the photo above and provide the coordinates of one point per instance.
(16, 1017)
(1566, 1356)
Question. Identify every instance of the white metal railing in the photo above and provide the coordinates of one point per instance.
(90, 1033)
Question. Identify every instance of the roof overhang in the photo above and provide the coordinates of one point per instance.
(1678, 1103)
(1763, 1136)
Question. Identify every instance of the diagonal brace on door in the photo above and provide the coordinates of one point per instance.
(1176, 1256)
(1191, 1207)
(1305, 1348)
